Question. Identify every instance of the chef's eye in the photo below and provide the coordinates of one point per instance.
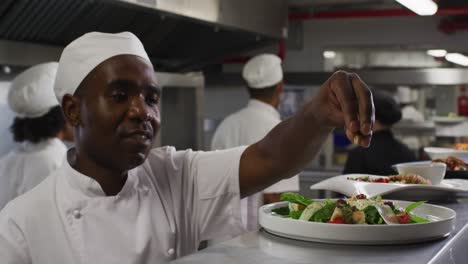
(119, 96)
(152, 99)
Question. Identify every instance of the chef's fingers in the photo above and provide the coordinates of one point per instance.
(365, 104)
(341, 86)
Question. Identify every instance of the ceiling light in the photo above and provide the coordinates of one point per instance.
(437, 52)
(329, 54)
(457, 58)
(420, 7)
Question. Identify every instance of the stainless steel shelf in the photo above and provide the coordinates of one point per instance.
(411, 77)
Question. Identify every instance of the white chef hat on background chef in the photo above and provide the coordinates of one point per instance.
(263, 71)
(31, 93)
(82, 55)
(405, 95)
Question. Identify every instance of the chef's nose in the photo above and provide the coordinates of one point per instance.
(139, 109)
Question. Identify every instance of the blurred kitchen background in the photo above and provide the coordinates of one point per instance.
(199, 47)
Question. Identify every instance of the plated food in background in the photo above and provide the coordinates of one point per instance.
(413, 192)
(450, 119)
(409, 178)
(461, 146)
(432, 171)
(355, 210)
(443, 153)
(453, 163)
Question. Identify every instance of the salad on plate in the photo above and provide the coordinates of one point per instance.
(355, 210)
(409, 178)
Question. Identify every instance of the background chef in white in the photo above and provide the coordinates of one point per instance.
(39, 127)
(263, 75)
(116, 200)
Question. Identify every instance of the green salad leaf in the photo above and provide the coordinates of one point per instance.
(282, 210)
(411, 207)
(347, 214)
(296, 214)
(295, 198)
(325, 213)
(372, 216)
(416, 219)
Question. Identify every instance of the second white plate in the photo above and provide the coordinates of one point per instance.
(341, 184)
(443, 153)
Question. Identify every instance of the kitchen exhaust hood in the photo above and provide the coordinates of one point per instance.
(179, 35)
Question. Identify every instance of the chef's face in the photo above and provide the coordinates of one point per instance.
(117, 106)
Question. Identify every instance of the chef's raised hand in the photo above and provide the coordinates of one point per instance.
(344, 100)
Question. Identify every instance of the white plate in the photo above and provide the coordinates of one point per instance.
(433, 171)
(443, 223)
(448, 120)
(423, 162)
(341, 184)
(443, 153)
(449, 174)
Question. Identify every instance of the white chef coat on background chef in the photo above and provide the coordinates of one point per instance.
(30, 96)
(166, 207)
(6, 119)
(246, 127)
(27, 166)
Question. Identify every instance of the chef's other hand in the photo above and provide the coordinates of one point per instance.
(345, 100)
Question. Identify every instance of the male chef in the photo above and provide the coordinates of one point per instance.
(117, 200)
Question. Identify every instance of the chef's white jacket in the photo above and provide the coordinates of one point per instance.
(167, 206)
(28, 165)
(246, 127)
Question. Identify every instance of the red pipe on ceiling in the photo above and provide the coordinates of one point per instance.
(451, 26)
(370, 13)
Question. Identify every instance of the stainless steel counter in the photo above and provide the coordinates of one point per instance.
(262, 247)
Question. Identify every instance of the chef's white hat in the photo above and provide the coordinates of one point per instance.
(85, 53)
(405, 95)
(31, 93)
(263, 71)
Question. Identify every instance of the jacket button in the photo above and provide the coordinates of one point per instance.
(170, 251)
(76, 213)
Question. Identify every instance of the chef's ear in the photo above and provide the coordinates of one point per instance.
(71, 109)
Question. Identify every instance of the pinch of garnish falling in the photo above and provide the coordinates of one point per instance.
(356, 139)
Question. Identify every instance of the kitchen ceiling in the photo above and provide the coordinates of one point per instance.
(176, 37)
(369, 4)
(322, 5)
(454, 13)
(317, 6)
